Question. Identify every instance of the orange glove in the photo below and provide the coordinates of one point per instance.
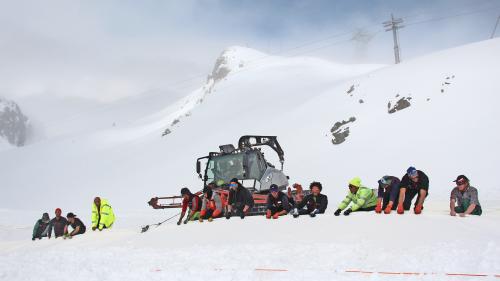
(378, 209)
(401, 210)
(216, 214)
(211, 205)
(418, 209)
(268, 214)
(277, 215)
(388, 209)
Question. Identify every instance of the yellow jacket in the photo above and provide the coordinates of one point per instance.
(107, 217)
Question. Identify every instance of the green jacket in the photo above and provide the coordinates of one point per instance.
(364, 198)
(107, 216)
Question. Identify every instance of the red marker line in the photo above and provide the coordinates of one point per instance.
(389, 273)
(271, 269)
(467, 274)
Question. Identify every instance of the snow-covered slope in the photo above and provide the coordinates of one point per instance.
(310, 104)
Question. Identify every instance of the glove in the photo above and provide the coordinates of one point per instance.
(100, 229)
(401, 210)
(277, 215)
(228, 215)
(33, 239)
(313, 213)
(179, 223)
(388, 209)
(337, 213)
(242, 215)
(186, 221)
(200, 219)
(94, 228)
(347, 212)
(295, 213)
(378, 209)
(210, 219)
(268, 214)
(418, 209)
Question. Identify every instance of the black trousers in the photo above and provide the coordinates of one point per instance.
(238, 207)
(275, 210)
(368, 209)
(387, 198)
(307, 212)
(409, 195)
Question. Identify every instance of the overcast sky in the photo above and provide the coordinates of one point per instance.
(107, 50)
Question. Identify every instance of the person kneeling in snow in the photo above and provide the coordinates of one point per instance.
(240, 200)
(362, 198)
(58, 223)
(277, 203)
(388, 194)
(76, 224)
(413, 182)
(192, 201)
(41, 228)
(466, 197)
(102, 214)
(212, 205)
(315, 203)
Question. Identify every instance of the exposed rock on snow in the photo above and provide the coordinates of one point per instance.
(340, 130)
(400, 104)
(13, 123)
(351, 89)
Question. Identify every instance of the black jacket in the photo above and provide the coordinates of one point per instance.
(312, 202)
(422, 182)
(240, 196)
(280, 202)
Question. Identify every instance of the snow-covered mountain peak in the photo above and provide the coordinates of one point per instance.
(232, 59)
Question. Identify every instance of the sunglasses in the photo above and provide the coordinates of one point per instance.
(233, 185)
(461, 182)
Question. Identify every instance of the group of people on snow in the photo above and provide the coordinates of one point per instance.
(103, 217)
(393, 194)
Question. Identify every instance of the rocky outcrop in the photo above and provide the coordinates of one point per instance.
(340, 130)
(13, 123)
(398, 104)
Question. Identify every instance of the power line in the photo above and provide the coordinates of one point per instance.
(454, 15)
(495, 29)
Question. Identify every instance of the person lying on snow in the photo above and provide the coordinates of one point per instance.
(466, 197)
(388, 194)
(76, 224)
(192, 201)
(102, 214)
(277, 203)
(212, 205)
(361, 197)
(315, 203)
(58, 223)
(413, 182)
(41, 227)
(240, 200)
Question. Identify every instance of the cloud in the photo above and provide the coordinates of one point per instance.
(106, 50)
